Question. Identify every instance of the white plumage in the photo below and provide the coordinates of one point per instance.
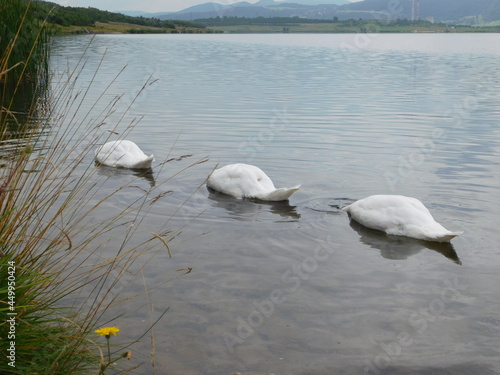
(399, 215)
(123, 154)
(247, 181)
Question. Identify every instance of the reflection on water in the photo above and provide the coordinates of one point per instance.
(244, 209)
(110, 172)
(327, 204)
(22, 109)
(400, 248)
(19, 100)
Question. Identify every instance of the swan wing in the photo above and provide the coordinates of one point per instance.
(124, 154)
(247, 181)
(399, 215)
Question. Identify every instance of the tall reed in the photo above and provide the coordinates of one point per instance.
(54, 227)
(23, 42)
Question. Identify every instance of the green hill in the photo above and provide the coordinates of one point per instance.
(67, 19)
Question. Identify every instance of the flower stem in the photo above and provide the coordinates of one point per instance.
(109, 351)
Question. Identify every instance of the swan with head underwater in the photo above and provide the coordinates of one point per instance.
(400, 216)
(123, 154)
(247, 181)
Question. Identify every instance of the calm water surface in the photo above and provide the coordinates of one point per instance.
(293, 288)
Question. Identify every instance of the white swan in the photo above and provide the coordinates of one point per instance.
(123, 154)
(247, 181)
(398, 215)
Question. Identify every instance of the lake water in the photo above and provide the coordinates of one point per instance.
(294, 288)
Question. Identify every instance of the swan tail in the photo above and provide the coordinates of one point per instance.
(447, 237)
(144, 164)
(346, 209)
(280, 194)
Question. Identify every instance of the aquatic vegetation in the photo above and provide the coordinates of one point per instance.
(23, 42)
(62, 277)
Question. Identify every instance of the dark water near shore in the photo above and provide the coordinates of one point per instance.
(293, 288)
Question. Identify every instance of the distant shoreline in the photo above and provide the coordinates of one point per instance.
(252, 26)
(340, 27)
(126, 28)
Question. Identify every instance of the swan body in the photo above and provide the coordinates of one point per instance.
(247, 181)
(123, 154)
(398, 215)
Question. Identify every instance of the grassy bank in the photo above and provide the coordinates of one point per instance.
(126, 28)
(78, 20)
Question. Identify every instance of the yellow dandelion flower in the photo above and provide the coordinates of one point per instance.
(106, 331)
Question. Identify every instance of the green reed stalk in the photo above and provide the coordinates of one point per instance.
(23, 42)
(57, 284)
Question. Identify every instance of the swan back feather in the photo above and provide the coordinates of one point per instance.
(247, 181)
(399, 215)
(123, 154)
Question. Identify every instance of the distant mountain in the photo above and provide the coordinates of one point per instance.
(319, 2)
(450, 11)
(305, 2)
(263, 8)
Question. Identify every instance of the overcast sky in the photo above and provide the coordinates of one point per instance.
(145, 5)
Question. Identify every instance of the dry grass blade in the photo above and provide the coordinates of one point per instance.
(164, 243)
(75, 257)
(187, 270)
